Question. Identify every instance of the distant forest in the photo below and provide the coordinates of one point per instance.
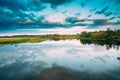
(101, 35)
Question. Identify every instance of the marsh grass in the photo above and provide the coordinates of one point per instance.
(15, 40)
(33, 39)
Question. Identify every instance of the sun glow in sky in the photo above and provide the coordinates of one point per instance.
(57, 16)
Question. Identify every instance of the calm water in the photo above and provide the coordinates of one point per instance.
(59, 60)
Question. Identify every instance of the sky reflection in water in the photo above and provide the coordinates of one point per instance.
(61, 60)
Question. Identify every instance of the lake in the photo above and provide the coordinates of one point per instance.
(59, 60)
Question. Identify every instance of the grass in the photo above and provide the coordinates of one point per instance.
(33, 39)
(16, 40)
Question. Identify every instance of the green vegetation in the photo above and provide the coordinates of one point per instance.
(61, 37)
(97, 37)
(15, 40)
(109, 38)
(33, 38)
(112, 35)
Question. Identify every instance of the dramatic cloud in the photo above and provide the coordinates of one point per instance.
(90, 22)
(39, 14)
(69, 22)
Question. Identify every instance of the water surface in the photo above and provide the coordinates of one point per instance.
(59, 60)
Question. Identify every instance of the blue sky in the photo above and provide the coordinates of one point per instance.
(58, 16)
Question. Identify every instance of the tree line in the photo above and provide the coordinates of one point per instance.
(109, 34)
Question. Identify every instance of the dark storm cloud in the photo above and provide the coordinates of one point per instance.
(102, 11)
(108, 14)
(22, 13)
(30, 4)
(71, 20)
(29, 24)
(16, 10)
(100, 22)
(95, 22)
(13, 5)
(8, 19)
(24, 5)
(12, 11)
(55, 2)
(75, 20)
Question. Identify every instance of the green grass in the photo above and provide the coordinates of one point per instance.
(33, 39)
(16, 40)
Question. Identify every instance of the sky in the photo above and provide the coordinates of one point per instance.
(58, 16)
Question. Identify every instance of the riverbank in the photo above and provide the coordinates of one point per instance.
(112, 36)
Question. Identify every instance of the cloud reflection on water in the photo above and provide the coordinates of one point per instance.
(58, 59)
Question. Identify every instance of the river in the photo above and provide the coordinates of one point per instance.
(59, 60)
